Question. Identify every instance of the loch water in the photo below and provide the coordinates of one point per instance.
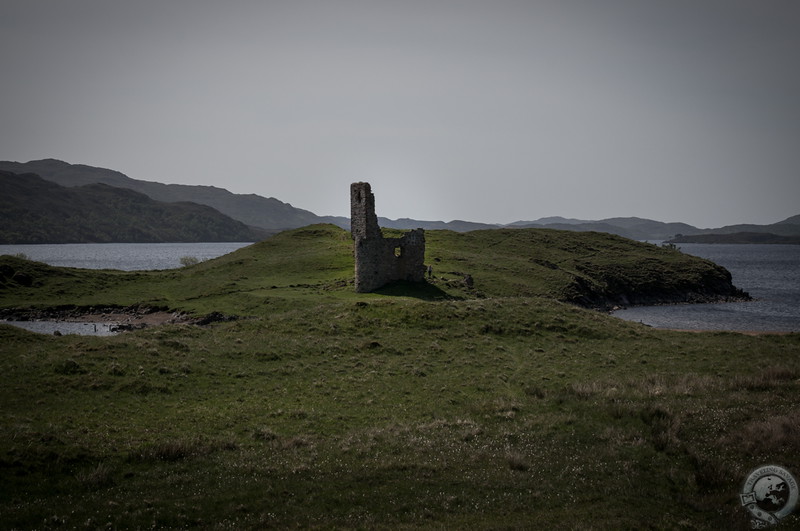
(769, 273)
(123, 256)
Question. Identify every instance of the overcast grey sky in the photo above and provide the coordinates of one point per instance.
(491, 111)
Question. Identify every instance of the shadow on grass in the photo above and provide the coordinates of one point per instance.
(418, 290)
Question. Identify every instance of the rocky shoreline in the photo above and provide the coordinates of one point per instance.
(622, 301)
(605, 291)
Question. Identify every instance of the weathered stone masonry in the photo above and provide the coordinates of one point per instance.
(381, 260)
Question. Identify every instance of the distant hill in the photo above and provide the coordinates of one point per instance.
(785, 232)
(647, 229)
(552, 220)
(33, 210)
(782, 228)
(633, 228)
(455, 225)
(250, 209)
(794, 220)
(274, 215)
(738, 237)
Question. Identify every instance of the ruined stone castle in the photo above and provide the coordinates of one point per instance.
(381, 260)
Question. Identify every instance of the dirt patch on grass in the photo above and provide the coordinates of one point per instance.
(122, 318)
(133, 319)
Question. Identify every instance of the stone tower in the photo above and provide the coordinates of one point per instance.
(381, 260)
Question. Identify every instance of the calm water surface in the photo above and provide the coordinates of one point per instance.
(770, 273)
(124, 256)
(65, 327)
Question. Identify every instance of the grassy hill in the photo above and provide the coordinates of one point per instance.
(590, 269)
(433, 406)
(33, 210)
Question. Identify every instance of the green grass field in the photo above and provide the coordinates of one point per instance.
(432, 406)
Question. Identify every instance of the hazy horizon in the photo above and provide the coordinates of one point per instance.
(675, 111)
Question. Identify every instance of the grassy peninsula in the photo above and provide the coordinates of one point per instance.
(501, 405)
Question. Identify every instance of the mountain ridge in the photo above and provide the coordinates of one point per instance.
(250, 209)
(274, 215)
(34, 210)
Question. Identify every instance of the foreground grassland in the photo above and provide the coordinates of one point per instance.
(418, 407)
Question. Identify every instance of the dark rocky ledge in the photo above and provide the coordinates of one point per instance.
(610, 291)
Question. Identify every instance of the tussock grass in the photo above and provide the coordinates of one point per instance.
(97, 477)
(771, 434)
(177, 449)
(768, 378)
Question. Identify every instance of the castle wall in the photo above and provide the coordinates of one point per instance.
(380, 260)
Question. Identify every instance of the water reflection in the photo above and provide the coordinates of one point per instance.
(67, 327)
